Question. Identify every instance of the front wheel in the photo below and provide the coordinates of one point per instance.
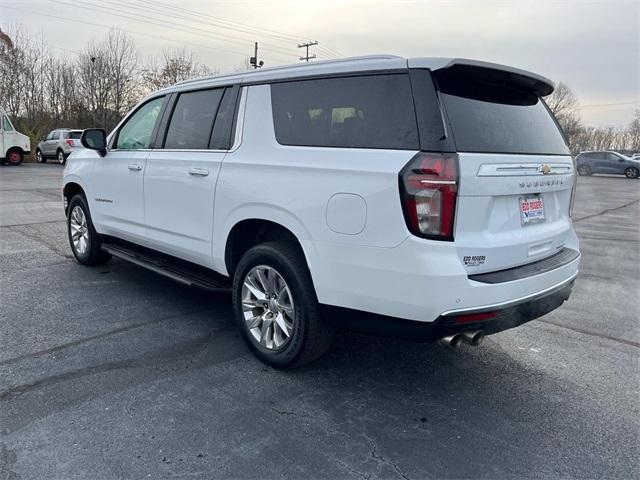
(276, 308)
(84, 240)
(61, 158)
(39, 157)
(631, 172)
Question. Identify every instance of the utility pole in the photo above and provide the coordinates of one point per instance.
(306, 45)
(254, 60)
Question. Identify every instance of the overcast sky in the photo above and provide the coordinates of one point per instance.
(593, 46)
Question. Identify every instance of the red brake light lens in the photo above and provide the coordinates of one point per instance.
(70, 142)
(429, 191)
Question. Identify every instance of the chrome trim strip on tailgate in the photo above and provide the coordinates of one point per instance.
(523, 169)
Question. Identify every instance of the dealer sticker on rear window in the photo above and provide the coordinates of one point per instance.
(531, 210)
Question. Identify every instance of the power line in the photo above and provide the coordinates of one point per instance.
(172, 24)
(160, 23)
(132, 32)
(242, 27)
(609, 104)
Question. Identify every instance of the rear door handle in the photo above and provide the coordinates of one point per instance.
(199, 172)
(136, 167)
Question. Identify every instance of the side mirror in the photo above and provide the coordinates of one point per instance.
(95, 139)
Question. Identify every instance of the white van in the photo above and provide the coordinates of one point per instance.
(428, 198)
(13, 145)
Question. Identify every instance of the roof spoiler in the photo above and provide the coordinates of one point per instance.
(490, 72)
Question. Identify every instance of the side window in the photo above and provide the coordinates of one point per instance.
(6, 124)
(55, 136)
(374, 111)
(192, 119)
(136, 133)
(223, 126)
(612, 157)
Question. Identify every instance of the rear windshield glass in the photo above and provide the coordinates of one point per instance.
(499, 118)
(373, 111)
(75, 135)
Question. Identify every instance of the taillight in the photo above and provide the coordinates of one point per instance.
(70, 143)
(429, 190)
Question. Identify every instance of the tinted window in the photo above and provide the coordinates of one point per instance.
(488, 126)
(221, 136)
(192, 119)
(75, 135)
(136, 133)
(361, 112)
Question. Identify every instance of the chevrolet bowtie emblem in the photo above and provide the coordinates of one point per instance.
(545, 169)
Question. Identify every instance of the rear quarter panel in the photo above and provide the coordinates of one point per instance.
(293, 185)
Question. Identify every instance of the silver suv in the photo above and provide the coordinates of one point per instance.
(59, 144)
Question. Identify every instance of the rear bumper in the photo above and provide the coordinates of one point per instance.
(490, 319)
(422, 280)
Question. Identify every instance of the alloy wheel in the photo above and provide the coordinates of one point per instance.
(268, 308)
(79, 230)
(60, 158)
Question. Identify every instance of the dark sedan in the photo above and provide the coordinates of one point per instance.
(589, 163)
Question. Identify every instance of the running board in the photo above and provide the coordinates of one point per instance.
(180, 271)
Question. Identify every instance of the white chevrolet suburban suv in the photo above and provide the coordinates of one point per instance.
(426, 198)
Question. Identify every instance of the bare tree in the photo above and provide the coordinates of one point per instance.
(566, 108)
(121, 59)
(176, 65)
(633, 131)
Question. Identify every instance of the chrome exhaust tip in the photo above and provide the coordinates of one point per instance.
(473, 338)
(451, 341)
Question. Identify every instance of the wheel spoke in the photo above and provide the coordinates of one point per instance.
(254, 322)
(255, 291)
(264, 281)
(280, 321)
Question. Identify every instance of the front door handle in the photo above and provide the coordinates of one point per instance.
(136, 167)
(199, 172)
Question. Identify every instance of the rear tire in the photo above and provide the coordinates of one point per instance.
(15, 157)
(631, 172)
(281, 304)
(61, 158)
(584, 170)
(85, 242)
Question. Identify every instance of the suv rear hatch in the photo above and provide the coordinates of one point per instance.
(515, 173)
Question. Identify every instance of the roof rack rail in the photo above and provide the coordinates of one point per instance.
(289, 66)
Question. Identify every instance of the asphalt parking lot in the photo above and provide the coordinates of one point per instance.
(116, 372)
